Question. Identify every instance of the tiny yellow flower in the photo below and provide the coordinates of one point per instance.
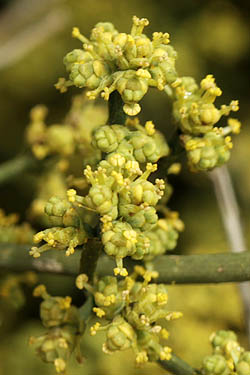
(234, 124)
(141, 358)
(94, 328)
(81, 280)
(99, 312)
(71, 194)
(60, 365)
(150, 128)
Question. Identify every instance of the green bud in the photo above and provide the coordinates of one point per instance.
(126, 149)
(148, 148)
(132, 87)
(103, 199)
(56, 346)
(107, 138)
(120, 241)
(59, 238)
(56, 311)
(88, 74)
(61, 212)
(76, 56)
(139, 217)
(108, 296)
(137, 51)
(220, 338)
(142, 246)
(243, 366)
(163, 237)
(225, 343)
(149, 304)
(215, 365)
(207, 152)
(56, 206)
(120, 335)
(149, 342)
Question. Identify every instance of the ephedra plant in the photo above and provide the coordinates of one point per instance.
(103, 203)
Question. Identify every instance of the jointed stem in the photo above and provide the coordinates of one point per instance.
(177, 366)
(116, 113)
(89, 257)
(178, 269)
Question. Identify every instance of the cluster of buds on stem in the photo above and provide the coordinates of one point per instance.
(207, 144)
(11, 231)
(131, 310)
(64, 330)
(119, 189)
(129, 63)
(228, 356)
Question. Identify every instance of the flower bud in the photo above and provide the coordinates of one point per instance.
(120, 335)
(243, 366)
(215, 365)
(56, 346)
(207, 152)
(107, 138)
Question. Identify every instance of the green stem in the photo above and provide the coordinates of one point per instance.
(85, 310)
(16, 258)
(204, 268)
(173, 269)
(89, 257)
(116, 113)
(177, 366)
(15, 167)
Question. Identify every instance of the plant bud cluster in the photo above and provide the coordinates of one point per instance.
(228, 356)
(124, 197)
(72, 137)
(64, 333)
(131, 310)
(120, 194)
(207, 145)
(129, 63)
(12, 232)
(11, 288)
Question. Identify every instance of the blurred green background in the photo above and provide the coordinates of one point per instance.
(211, 37)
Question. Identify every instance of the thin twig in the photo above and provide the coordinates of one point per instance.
(19, 12)
(11, 169)
(230, 214)
(177, 366)
(19, 45)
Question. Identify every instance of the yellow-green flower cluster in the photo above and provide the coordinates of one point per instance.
(48, 140)
(129, 63)
(11, 231)
(132, 309)
(62, 338)
(164, 235)
(122, 195)
(62, 140)
(134, 141)
(68, 232)
(11, 289)
(228, 356)
(206, 144)
(59, 238)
